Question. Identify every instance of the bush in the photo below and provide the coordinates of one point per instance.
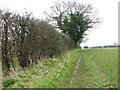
(85, 46)
(30, 40)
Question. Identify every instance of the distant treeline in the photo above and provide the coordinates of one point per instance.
(27, 41)
(107, 46)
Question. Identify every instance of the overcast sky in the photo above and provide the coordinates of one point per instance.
(105, 34)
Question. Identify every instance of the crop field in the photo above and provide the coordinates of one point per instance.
(98, 68)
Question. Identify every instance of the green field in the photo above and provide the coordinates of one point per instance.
(98, 68)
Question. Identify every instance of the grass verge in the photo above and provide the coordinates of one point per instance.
(54, 73)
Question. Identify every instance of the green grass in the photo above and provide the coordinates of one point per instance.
(0, 74)
(98, 69)
(119, 68)
(54, 73)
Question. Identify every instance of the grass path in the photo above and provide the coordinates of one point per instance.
(74, 73)
(96, 69)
